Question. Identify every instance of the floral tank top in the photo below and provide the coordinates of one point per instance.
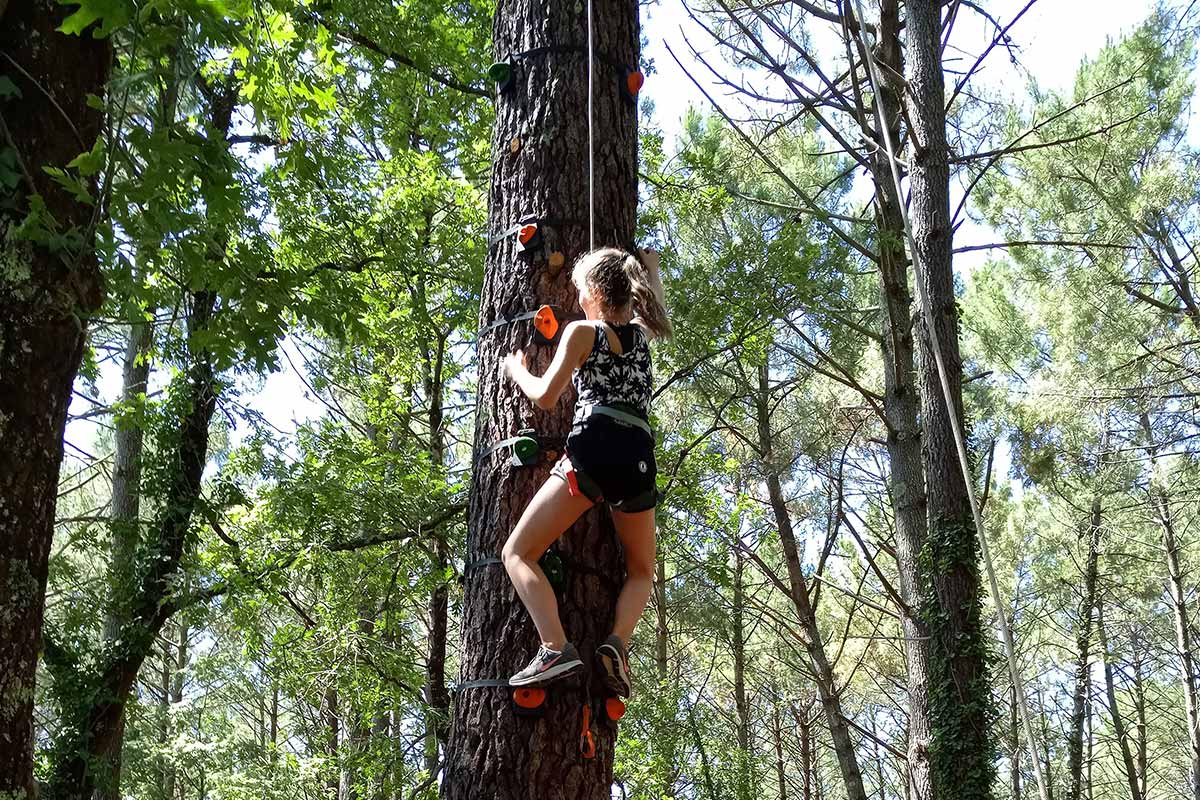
(611, 379)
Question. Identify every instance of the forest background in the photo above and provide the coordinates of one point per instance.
(293, 245)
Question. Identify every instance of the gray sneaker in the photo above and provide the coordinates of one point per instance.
(548, 666)
(615, 664)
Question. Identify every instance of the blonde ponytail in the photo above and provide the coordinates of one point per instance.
(647, 303)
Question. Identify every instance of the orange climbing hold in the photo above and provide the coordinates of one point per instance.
(634, 81)
(615, 707)
(529, 697)
(545, 322)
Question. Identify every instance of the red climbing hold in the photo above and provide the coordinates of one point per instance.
(615, 708)
(634, 81)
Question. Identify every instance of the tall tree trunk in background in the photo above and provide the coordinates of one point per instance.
(92, 729)
(492, 753)
(44, 298)
(777, 731)
(1139, 699)
(331, 717)
(164, 710)
(665, 683)
(804, 724)
(273, 758)
(962, 748)
(126, 504)
(822, 670)
(1083, 662)
(1118, 722)
(906, 480)
(437, 696)
(745, 788)
(661, 632)
(1014, 728)
(1160, 501)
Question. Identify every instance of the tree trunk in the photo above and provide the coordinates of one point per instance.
(961, 751)
(1161, 503)
(1083, 634)
(333, 727)
(164, 733)
(665, 741)
(438, 698)
(1139, 698)
(1131, 772)
(777, 730)
(492, 753)
(805, 725)
(92, 729)
(44, 297)
(906, 481)
(822, 670)
(745, 788)
(1014, 727)
(126, 504)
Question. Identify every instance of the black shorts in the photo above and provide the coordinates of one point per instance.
(612, 462)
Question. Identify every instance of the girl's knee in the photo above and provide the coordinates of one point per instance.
(509, 553)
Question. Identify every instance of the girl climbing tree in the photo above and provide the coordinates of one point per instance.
(538, 220)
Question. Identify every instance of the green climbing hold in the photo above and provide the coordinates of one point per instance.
(501, 73)
(552, 565)
(525, 449)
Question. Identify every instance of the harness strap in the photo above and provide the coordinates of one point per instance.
(617, 414)
(483, 683)
(614, 63)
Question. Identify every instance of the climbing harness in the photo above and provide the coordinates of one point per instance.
(959, 439)
(589, 409)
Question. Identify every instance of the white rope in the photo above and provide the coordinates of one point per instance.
(959, 440)
(591, 139)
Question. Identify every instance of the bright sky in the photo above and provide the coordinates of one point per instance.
(1053, 37)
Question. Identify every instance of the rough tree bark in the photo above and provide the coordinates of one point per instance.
(539, 144)
(962, 747)
(1083, 637)
(814, 644)
(906, 481)
(45, 294)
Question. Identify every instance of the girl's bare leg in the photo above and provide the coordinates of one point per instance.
(636, 531)
(551, 511)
